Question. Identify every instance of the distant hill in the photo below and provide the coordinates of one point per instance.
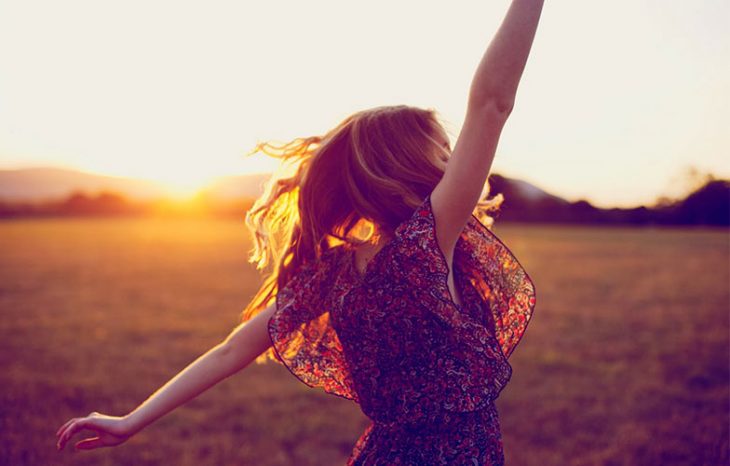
(43, 184)
(36, 184)
(707, 205)
(53, 191)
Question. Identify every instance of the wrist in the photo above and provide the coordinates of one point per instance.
(131, 424)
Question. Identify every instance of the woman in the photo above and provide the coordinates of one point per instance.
(415, 319)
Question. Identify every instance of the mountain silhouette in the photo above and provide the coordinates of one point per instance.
(47, 183)
(56, 191)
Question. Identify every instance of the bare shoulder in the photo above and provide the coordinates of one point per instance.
(455, 196)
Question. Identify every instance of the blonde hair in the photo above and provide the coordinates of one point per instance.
(373, 168)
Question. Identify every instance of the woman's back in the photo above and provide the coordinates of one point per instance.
(425, 369)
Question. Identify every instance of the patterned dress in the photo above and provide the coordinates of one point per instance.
(423, 368)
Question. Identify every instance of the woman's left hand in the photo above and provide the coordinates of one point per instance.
(110, 430)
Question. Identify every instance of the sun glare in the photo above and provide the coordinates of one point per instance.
(185, 187)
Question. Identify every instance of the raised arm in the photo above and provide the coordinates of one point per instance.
(491, 99)
(237, 351)
(500, 69)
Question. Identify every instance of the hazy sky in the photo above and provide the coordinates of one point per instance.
(617, 100)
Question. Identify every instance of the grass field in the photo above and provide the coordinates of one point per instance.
(626, 361)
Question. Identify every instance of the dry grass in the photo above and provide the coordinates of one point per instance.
(625, 363)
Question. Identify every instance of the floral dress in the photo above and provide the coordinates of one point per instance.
(425, 369)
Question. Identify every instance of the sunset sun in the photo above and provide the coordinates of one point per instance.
(185, 185)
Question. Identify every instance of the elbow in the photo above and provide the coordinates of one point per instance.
(234, 357)
(493, 101)
(500, 106)
(504, 106)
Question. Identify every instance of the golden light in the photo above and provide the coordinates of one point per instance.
(184, 185)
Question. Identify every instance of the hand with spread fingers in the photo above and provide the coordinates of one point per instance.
(110, 431)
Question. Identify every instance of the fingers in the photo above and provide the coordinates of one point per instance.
(67, 431)
(89, 443)
(63, 432)
(76, 425)
(69, 427)
(64, 426)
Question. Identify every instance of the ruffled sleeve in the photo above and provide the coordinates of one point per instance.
(473, 361)
(500, 280)
(302, 335)
(502, 284)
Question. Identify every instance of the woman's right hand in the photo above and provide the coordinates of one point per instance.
(110, 430)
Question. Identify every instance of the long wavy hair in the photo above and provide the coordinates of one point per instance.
(373, 168)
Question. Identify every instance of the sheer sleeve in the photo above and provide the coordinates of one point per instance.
(501, 282)
(302, 335)
(472, 360)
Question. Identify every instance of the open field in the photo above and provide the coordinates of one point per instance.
(626, 361)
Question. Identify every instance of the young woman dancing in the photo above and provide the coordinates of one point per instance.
(386, 288)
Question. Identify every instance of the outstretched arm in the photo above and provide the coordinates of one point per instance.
(237, 351)
(491, 99)
(242, 346)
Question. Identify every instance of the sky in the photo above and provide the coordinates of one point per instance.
(617, 101)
